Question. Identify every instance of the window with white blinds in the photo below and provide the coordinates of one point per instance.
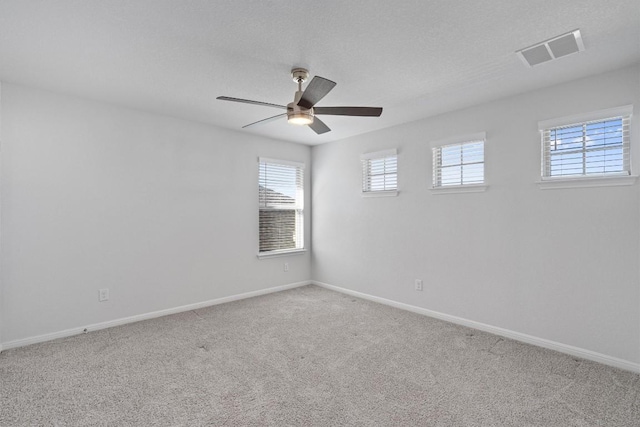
(458, 164)
(590, 148)
(281, 205)
(380, 172)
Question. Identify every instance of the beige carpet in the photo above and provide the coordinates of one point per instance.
(306, 357)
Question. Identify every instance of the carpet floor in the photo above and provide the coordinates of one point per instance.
(306, 357)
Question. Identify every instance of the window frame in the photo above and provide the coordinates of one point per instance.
(625, 177)
(460, 188)
(365, 160)
(298, 208)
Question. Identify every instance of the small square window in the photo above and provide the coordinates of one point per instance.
(458, 164)
(380, 172)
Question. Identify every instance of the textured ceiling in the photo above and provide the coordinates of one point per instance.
(415, 58)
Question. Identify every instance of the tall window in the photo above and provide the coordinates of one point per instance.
(458, 164)
(380, 172)
(593, 147)
(281, 201)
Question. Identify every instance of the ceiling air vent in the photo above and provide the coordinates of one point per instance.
(553, 48)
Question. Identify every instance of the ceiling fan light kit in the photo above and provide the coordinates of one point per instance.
(301, 110)
(300, 117)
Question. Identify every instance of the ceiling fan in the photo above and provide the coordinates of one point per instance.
(302, 111)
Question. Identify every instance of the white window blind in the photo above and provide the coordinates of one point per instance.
(458, 164)
(380, 171)
(595, 147)
(281, 205)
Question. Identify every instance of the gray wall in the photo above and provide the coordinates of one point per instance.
(561, 265)
(1, 291)
(161, 211)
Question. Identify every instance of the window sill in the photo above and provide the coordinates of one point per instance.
(586, 182)
(274, 254)
(391, 193)
(452, 189)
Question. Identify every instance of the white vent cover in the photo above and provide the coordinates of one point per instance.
(553, 48)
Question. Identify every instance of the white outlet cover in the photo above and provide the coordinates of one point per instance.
(103, 295)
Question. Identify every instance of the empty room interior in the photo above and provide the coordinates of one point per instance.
(409, 213)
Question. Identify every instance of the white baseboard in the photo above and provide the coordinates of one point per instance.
(540, 342)
(529, 339)
(131, 319)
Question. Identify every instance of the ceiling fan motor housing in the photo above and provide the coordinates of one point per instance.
(297, 114)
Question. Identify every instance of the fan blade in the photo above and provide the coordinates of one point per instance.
(315, 91)
(248, 101)
(267, 120)
(318, 126)
(349, 111)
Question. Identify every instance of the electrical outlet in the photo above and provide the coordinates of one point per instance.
(418, 285)
(286, 266)
(103, 295)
